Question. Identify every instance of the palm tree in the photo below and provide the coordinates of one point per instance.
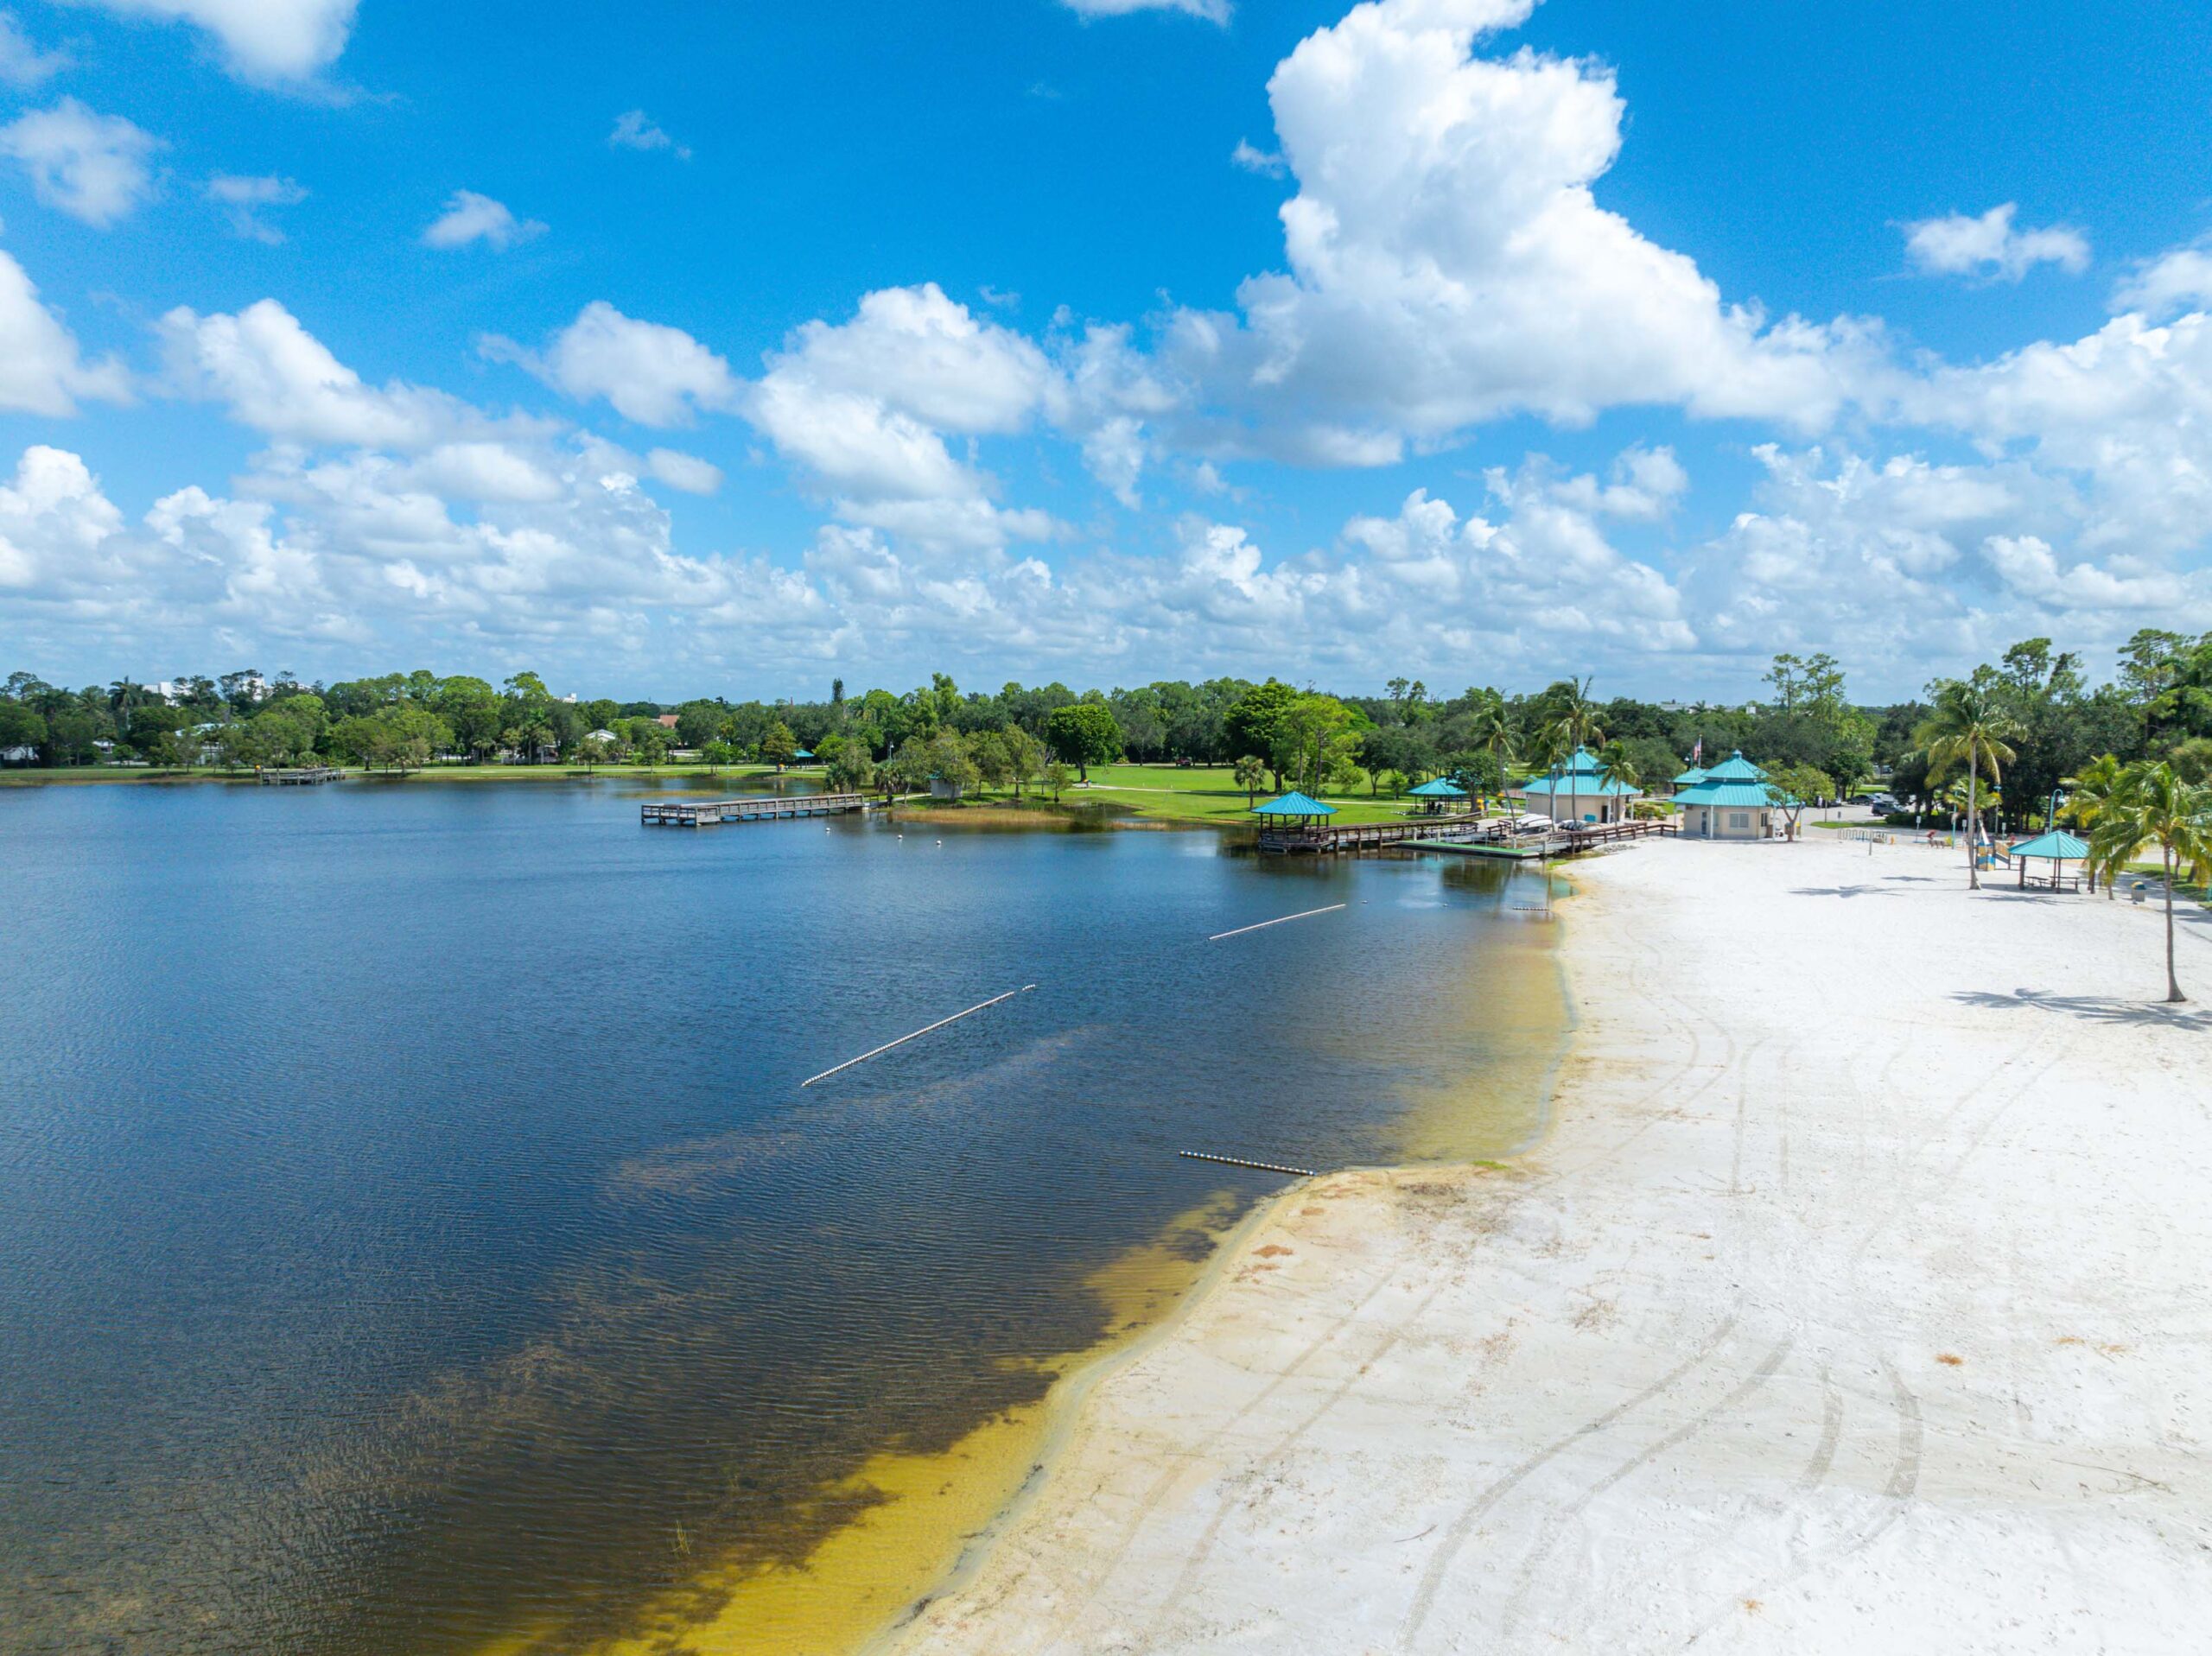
(1490, 731)
(1575, 724)
(2151, 805)
(1546, 751)
(1614, 766)
(1969, 726)
(1250, 774)
(2088, 794)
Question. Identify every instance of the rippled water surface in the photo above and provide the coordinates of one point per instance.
(414, 1237)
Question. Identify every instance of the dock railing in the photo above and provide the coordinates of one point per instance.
(697, 813)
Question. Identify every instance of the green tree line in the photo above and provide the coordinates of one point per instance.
(1803, 727)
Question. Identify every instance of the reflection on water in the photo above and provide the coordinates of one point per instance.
(413, 1238)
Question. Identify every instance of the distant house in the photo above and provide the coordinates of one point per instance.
(22, 755)
(1730, 801)
(665, 720)
(1577, 792)
(940, 789)
(600, 736)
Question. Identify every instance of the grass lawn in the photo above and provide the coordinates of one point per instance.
(1202, 794)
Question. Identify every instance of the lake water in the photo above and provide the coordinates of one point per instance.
(414, 1237)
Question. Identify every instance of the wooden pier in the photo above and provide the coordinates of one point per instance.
(1368, 836)
(1492, 836)
(307, 776)
(762, 809)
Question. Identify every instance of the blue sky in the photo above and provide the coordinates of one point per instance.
(725, 350)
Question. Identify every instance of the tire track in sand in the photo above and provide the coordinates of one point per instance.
(1555, 1522)
(1463, 1527)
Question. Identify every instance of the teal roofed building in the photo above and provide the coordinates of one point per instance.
(1578, 791)
(1729, 801)
(1438, 796)
(1294, 808)
(1293, 822)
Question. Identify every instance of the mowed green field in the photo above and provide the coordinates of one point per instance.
(1207, 793)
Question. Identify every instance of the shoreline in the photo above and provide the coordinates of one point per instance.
(863, 1586)
(1742, 1351)
(1065, 1407)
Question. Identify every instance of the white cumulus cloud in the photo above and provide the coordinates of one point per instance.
(1214, 11)
(653, 374)
(262, 41)
(54, 524)
(2177, 280)
(685, 472)
(243, 198)
(90, 165)
(22, 63)
(469, 217)
(278, 379)
(634, 130)
(1991, 247)
(1448, 263)
(1252, 158)
(865, 406)
(41, 370)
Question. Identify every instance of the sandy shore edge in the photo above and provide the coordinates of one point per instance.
(1854, 1300)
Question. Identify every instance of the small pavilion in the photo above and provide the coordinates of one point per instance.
(1579, 792)
(1730, 801)
(800, 756)
(2058, 847)
(1689, 778)
(1438, 796)
(1293, 822)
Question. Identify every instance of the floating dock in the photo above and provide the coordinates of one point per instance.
(766, 808)
(310, 776)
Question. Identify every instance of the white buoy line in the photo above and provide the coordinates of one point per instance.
(1264, 924)
(878, 1051)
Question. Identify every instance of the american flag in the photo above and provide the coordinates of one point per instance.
(1697, 753)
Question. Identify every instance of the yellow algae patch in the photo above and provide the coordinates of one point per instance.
(863, 1575)
(1514, 1013)
(917, 1512)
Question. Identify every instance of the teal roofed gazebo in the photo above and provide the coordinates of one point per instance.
(1293, 822)
(1293, 808)
(2056, 846)
(1438, 795)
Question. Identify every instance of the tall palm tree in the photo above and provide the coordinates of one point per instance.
(1576, 723)
(1614, 766)
(1549, 749)
(2152, 806)
(1491, 732)
(1970, 726)
(2087, 793)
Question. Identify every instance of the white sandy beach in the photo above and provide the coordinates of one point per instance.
(1860, 1299)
